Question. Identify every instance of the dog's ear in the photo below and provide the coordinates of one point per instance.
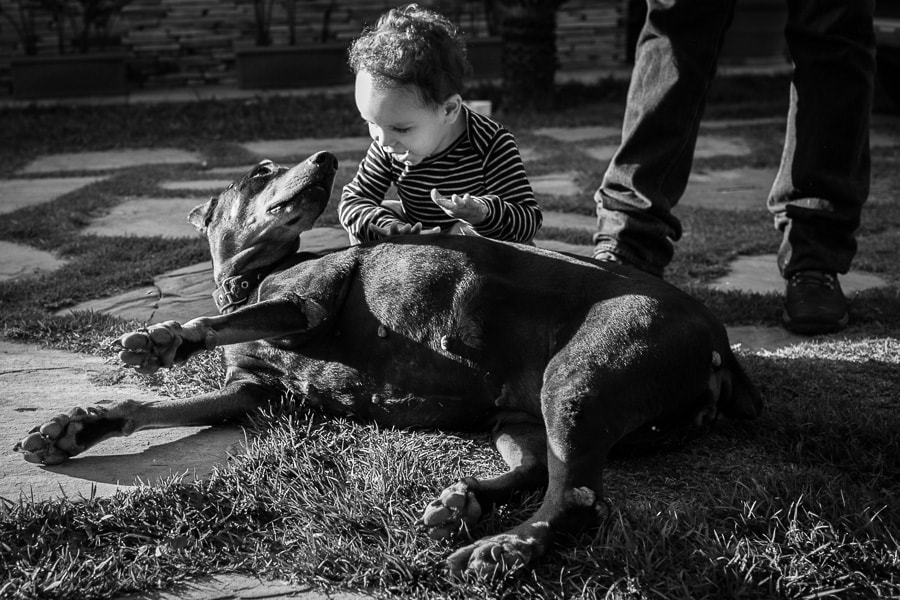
(200, 215)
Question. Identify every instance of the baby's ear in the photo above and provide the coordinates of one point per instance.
(453, 106)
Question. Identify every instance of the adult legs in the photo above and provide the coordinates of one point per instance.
(675, 64)
(823, 180)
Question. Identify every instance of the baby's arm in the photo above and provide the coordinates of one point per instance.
(402, 228)
(365, 218)
(360, 210)
(463, 207)
(507, 209)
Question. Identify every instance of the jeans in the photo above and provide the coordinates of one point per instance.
(823, 180)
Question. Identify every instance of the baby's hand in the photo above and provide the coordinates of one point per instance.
(401, 228)
(465, 207)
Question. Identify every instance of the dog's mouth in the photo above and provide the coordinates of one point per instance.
(315, 194)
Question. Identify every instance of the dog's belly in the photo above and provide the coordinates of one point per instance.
(393, 392)
(340, 389)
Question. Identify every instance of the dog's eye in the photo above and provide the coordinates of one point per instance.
(263, 169)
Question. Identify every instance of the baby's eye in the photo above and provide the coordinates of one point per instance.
(401, 130)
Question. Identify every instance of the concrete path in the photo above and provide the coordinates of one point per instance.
(109, 160)
(37, 383)
(243, 587)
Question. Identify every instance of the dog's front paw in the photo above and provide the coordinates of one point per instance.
(494, 557)
(160, 346)
(454, 509)
(63, 436)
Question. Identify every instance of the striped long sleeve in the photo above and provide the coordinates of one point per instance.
(484, 162)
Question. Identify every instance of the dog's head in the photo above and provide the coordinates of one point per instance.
(261, 215)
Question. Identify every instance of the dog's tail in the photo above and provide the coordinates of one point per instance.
(739, 398)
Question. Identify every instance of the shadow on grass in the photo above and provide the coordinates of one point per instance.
(796, 503)
(194, 455)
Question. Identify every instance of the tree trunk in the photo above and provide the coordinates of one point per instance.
(528, 29)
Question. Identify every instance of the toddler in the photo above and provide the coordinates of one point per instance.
(454, 170)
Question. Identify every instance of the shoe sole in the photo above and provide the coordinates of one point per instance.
(815, 327)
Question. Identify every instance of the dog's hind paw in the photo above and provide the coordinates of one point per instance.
(494, 557)
(456, 508)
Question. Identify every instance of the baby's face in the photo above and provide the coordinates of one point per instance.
(401, 123)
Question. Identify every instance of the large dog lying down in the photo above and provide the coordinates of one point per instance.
(561, 357)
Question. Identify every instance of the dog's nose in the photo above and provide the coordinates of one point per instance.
(323, 158)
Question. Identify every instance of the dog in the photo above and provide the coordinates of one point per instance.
(563, 358)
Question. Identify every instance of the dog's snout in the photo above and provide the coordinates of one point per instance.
(324, 159)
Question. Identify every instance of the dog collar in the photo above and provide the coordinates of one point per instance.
(236, 290)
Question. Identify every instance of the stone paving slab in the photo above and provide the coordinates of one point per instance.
(186, 293)
(762, 340)
(884, 139)
(39, 383)
(557, 246)
(754, 274)
(145, 217)
(884, 131)
(197, 185)
(708, 146)
(754, 122)
(759, 274)
(530, 154)
(746, 189)
(22, 261)
(580, 134)
(242, 587)
(570, 221)
(303, 147)
(230, 172)
(178, 295)
(726, 189)
(324, 239)
(730, 189)
(600, 132)
(19, 193)
(557, 184)
(110, 159)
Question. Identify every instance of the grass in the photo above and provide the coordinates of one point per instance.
(798, 504)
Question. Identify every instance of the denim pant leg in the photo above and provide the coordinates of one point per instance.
(823, 179)
(675, 63)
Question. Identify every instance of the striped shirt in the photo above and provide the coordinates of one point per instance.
(483, 162)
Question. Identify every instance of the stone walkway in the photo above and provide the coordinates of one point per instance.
(37, 383)
(243, 587)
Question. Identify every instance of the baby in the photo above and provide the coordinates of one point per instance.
(454, 170)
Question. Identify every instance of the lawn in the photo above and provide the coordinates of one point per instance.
(800, 503)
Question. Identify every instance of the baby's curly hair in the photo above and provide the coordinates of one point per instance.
(413, 45)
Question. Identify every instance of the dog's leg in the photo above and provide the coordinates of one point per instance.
(169, 344)
(68, 434)
(586, 410)
(523, 447)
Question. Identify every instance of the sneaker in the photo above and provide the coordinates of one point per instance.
(814, 303)
(609, 256)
